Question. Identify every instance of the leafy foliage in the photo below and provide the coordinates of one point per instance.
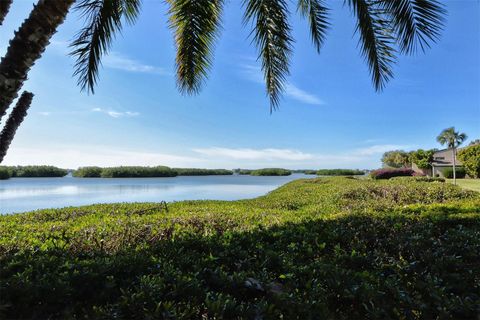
(396, 159)
(388, 173)
(36, 171)
(422, 158)
(339, 172)
(137, 172)
(195, 24)
(271, 172)
(103, 19)
(88, 172)
(337, 248)
(202, 172)
(451, 138)
(448, 173)
(470, 157)
(381, 25)
(5, 173)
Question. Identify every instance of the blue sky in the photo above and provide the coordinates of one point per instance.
(330, 116)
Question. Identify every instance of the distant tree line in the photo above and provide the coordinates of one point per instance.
(7, 172)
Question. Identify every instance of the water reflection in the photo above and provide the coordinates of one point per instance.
(23, 194)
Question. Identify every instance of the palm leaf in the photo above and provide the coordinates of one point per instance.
(317, 15)
(272, 37)
(376, 40)
(416, 22)
(103, 21)
(196, 24)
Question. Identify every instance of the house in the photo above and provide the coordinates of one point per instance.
(442, 159)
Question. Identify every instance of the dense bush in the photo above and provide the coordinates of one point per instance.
(37, 171)
(5, 173)
(459, 172)
(470, 157)
(396, 159)
(419, 178)
(138, 172)
(422, 158)
(339, 172)
(271, 172)
(387, 173)
(399, 249)
(88, 172)
(202, 172)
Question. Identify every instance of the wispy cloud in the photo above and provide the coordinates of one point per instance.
(254, 73)
(44, 113)
(115, 60)
(301, 95)
(254, 154)
(116, 114)
(379, 149)
(68, 156)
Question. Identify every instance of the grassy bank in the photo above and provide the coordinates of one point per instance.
(334, 248)
(471, 184)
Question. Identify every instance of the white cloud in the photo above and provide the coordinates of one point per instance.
(44, 113)
(254, 154)
(77, 156)
(301, 95)
(254, 73)
(379, 149)
(116, 114)
(115, 60)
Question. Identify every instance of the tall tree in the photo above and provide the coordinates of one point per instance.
(452, 139)
(15, 118)
(4, 6)
(385, 28)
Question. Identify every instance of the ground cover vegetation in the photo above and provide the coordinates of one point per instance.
(340, 172)
(338, 248)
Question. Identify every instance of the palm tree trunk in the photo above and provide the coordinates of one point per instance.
(454, 173)
(14, 121)
(4, 6)
(27, 46)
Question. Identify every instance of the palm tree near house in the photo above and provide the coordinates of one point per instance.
(385, 29)
(452, 139)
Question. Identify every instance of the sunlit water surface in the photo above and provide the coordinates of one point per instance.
(25, 194)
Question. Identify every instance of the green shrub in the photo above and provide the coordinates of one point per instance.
(387, 173)
(202, 172)
(459, 171)
(420, 179)
(422, 158)
(339, 172)
(5, 173)
(37, 171)
(470, 157)
(88, 172)
(332, 248)
(271, 172)
(138, 172)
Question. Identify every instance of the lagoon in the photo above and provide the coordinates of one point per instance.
(25, 194)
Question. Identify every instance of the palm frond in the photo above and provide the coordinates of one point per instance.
(272, 37)
(103, 21)
(196, 25)
(317, 14)
(376, 40)
(416, 22)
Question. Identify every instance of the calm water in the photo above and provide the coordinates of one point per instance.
(24, 194)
